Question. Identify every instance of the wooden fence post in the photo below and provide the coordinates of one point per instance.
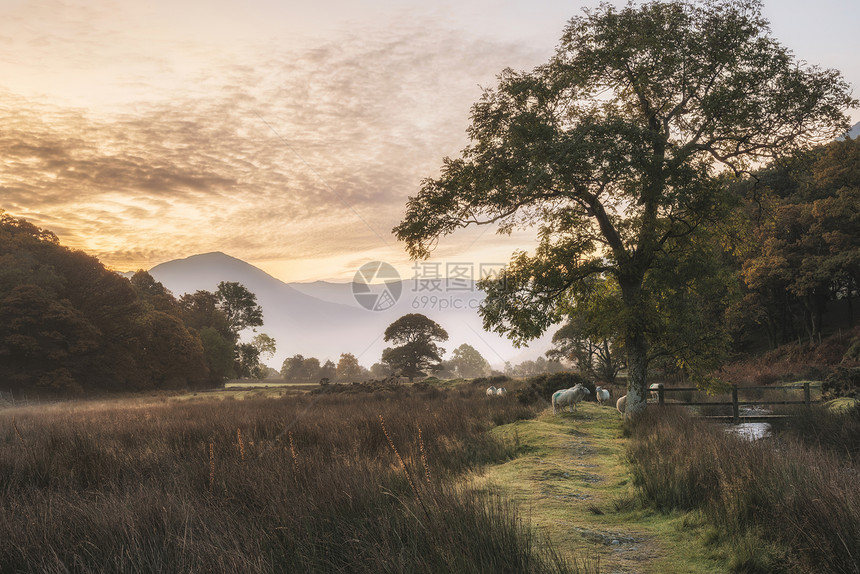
(660, 395)
(806, 395)
(736, 414)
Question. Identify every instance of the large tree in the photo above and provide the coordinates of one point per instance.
(415, 336)
(615, 149)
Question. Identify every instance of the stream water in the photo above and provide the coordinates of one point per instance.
(751, 431)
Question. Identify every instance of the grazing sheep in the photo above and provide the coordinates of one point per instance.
(568, 397)
(602, 395)
(491, 391)
(501, 391)
(621, 404)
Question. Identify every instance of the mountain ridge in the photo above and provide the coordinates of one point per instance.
(323, 319)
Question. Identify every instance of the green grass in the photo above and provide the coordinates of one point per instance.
(572, 478)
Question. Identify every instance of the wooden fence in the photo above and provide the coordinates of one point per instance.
(736, 403)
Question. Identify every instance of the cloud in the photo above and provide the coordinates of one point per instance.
(275, 154)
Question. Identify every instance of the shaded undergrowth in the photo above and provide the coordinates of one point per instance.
(781, 505)
(303, 484)
(836, 431)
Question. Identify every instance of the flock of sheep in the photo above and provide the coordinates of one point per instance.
(569, 397)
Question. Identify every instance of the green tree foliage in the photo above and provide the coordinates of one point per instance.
(415, 336)
(614, 150)
(802, 248)
(218, 352)
(590, 338)
(538, 366)
(42, 337)
(291, 370)
(200, 309)
(248, 361)
(299, 368)
(311, 369)
(251, 356)
(265, 344)
(328, 371)
(67, 324)
(153, 293)
(468, 363)
(239, 306)
(227, 311)
(174, 358)
(380, 371)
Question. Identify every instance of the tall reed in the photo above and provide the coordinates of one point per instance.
(241, 444)
(802, 502)
(424, 462)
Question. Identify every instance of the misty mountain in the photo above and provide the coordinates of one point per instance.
(853, 133)
(323, 319)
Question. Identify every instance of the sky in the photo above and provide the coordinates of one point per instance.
(286, 133)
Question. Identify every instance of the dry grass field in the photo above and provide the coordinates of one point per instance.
(342, 482)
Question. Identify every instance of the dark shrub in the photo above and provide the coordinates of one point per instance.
(493, 381)
(545, 385)
(842, 382)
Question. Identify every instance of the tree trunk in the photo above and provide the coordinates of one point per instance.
(636, 343)
(637, 370)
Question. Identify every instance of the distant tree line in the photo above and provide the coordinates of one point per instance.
(69, 325)
(415, 354)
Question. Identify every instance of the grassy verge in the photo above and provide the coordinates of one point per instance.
(337, 483)
(573, 480)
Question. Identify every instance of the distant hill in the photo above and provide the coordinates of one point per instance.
(853, 133)
(323, 319)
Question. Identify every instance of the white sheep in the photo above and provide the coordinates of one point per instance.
(654, 388)
(602, 395)
(501, 391)
(491, 391)
(621, 404)
(567, 397)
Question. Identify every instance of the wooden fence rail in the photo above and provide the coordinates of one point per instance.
(736, 403)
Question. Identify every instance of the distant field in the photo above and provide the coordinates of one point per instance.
(258, 383)
(269, 384)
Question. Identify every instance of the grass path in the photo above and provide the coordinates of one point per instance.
(572, 481)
